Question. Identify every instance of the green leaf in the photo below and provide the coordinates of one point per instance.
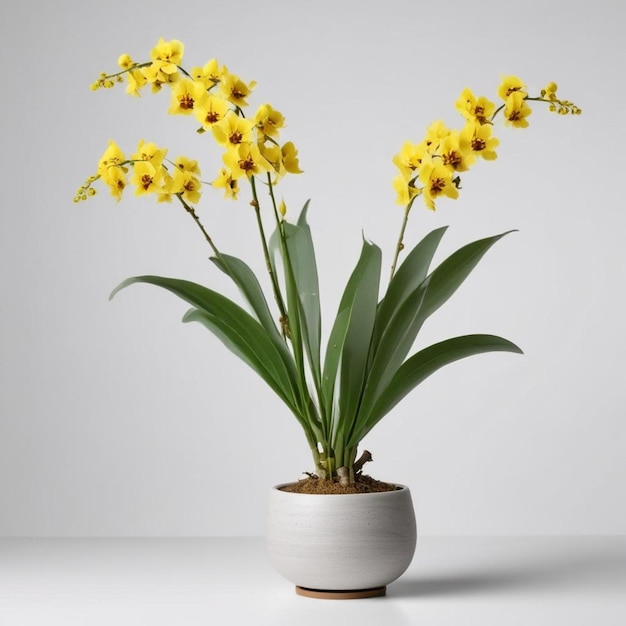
(304, 266)
(235, 327)
(250, 287)
(424, 363)
(402, 329)
(349, 342)
(408, 277)
(449, 276)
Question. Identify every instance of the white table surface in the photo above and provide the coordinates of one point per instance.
(560, 581)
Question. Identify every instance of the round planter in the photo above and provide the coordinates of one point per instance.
(341, 545)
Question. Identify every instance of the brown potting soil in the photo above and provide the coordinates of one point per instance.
(362, 484)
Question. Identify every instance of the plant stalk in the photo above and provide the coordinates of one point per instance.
(400, 242)
(196, 219)
(275, 286)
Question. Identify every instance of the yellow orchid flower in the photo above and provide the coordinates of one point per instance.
(472, 108)
(268, 120)
(233, 130)
(405, 189)
(410, 158)
(146, 178)
(245, 160)
(168, 55)
(186, 94)
(516, 110)
(437, 180)
(452, 154)
(509, 85)
(226, 182)
(235, 90)
(211, 110)
(149, 152)
(476, 138)
(209, 75)
(290, 158)
(186, 164)
(186, 183)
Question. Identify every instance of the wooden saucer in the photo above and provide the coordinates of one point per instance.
(348, 594)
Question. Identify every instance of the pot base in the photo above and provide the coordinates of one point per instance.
(349, 594)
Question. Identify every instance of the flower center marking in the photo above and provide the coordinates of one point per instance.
(186, 102)
(235, 137)
(478, 144)
(437, 185)
(146, 181)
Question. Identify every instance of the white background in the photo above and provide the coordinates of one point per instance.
(116, 420)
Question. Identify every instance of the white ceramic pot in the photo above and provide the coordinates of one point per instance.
(341, 542)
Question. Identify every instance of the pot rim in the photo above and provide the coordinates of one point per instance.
(400, 488)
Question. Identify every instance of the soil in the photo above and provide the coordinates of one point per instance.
(315, 485)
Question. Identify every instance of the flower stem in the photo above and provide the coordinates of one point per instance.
(276, 216)
(400, 242)
(196, 219)
(275, 286)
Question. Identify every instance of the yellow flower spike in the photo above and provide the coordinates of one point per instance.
(476, 138)
(186, 94)
(226, 182)
(245, 160)
(471, 108)
(562, 107)
(268, 120)
(211, 110)
(290, 158)
(146, 178)
(233, 130)
(282, 208)
(509, 85)
(516, 110)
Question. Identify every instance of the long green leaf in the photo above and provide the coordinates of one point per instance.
(348, 346)
(243, 276)
(304, 266)
(410, 274)
(449, 276)
(245, 335)
(402, 329)
(280, 253)
(424, 363)
(247, 353)
(251, 289)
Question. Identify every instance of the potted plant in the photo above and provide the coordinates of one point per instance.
(338, 532)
